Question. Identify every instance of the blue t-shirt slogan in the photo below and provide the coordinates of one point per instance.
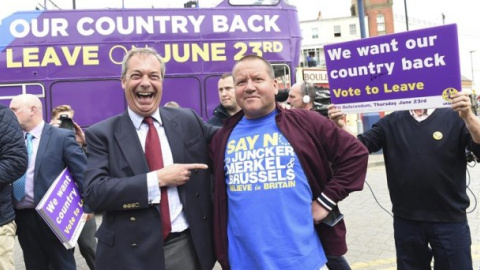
(255, 162)
(270, 223)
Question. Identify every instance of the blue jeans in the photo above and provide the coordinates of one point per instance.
(337, 263)
(417, 242)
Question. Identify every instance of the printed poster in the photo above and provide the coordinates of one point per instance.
(410, 70)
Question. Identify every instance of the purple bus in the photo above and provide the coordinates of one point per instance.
(73, 56)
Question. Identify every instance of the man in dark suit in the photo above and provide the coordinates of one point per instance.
(50, 151)
(122, 181)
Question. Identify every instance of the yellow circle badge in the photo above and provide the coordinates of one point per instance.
(448, 93)
(437, 135)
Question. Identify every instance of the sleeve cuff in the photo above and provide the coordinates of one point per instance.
(326, 202)
(153, 188)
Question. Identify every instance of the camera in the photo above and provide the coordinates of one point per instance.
(282, 95)
(66, 122)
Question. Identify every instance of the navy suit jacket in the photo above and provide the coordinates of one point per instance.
(130, 236)
(57, 149)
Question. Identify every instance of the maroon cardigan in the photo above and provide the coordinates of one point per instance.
(334, 162)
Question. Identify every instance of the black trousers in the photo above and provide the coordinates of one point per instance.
(41, 248)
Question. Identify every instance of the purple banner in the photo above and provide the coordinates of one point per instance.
(409, 70)
(61, 208)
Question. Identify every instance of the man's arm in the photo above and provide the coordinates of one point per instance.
(338, 117)
(107, 187)
(461, 103)
(13, 152)
(76, 162)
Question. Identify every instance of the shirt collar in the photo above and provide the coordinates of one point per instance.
(428, 112)
(137, 120)
(36, 131)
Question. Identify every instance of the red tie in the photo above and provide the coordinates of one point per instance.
(153, 153)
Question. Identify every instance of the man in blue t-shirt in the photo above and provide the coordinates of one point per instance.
(277, 177)
(425, 161)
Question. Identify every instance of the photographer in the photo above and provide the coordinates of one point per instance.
(62, 117)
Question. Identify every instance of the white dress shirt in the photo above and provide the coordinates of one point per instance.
(177, 216)
(422, 117)
(28, 201)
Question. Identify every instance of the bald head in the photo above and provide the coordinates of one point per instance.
(297, 93)
(28, 109)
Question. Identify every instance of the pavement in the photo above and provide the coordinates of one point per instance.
(369, 223)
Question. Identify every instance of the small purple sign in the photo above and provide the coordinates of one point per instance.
(409, 70)
(61, 208)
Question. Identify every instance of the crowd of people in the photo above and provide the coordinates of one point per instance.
(257, 186)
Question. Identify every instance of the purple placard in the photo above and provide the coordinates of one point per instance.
(409, 70)
(61, 207)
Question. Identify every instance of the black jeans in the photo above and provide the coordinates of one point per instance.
(417, 242)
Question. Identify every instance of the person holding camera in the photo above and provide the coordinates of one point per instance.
(425, 162)
(50, 150)
(278, 178)
(62, 117)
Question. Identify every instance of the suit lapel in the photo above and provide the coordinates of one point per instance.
(42, 147)
(129, 144)
(173, 130)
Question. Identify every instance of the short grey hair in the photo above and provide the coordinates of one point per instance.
(142, 51)
(271, 72)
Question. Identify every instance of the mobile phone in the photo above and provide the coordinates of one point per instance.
(333, 218)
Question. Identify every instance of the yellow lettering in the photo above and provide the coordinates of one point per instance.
(270, 140)
(251, 141)
(186, 52)
(90, 55)
(10, 62)
(50, 57)
(30, 57)
(71, 57)
(242, 145)
(230, 146)
(204, 53)
(218, 52)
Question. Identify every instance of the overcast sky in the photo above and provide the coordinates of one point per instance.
(421, 13)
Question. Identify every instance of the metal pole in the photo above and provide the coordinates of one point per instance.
(406, 13)
(74, 5)
(361, 19)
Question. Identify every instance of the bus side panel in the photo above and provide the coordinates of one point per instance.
(92, 101)
(183, 90)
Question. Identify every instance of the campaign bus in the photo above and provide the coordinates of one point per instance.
(74, 56)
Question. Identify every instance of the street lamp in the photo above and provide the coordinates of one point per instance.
(471, 64)
(406, 12)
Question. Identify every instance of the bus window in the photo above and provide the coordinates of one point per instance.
(183, 90)
(211, 92)
(8, 91)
